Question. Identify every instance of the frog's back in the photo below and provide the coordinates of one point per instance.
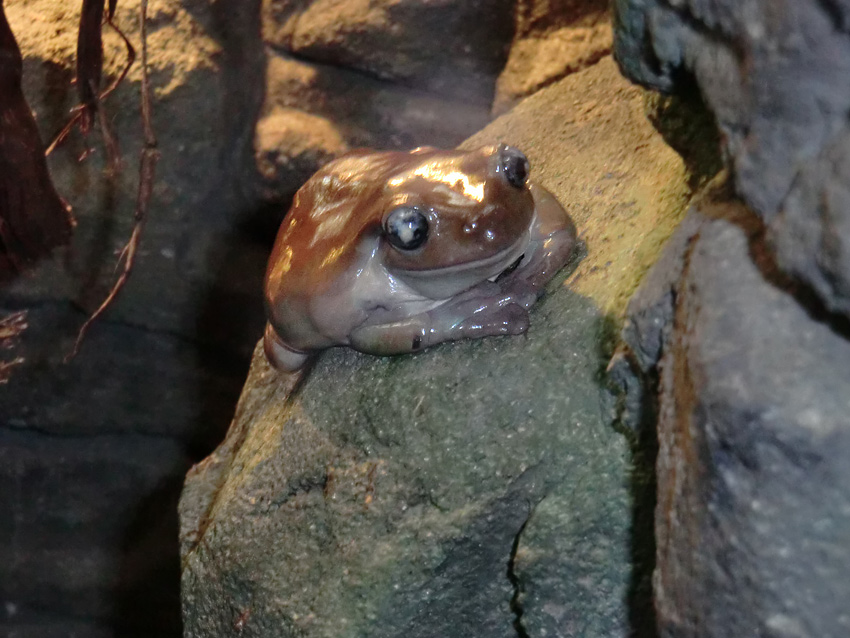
(329, 216)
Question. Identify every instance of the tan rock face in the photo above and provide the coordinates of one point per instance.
(397, 74)
(454, 48)
(351, 108)
(290, 144)
(552, 39)
(206, 98)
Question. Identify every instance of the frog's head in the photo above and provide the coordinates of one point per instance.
(453, 218)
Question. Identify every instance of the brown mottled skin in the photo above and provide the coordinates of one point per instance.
(335, 279)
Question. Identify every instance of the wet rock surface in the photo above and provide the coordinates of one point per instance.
(478, 488)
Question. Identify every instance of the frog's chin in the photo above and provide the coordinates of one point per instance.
(443, 283)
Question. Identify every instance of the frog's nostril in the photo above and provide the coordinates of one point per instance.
(513, 164)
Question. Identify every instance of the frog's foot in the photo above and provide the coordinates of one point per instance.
(469, 319)
(280, 355)
(511, 318)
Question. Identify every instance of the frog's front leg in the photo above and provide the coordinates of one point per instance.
(470, 318)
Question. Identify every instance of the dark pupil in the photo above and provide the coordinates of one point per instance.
(407, 227)
(515, 166)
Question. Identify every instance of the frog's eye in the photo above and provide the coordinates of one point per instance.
(406, 227)
(514, 166)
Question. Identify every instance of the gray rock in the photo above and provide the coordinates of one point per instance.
(752, 521)
(811, 234)
(774, 75)
(126, 381)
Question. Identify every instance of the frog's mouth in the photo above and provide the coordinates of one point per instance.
(507, 271)
(441, 283)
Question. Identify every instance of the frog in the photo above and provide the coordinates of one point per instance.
(391, 252)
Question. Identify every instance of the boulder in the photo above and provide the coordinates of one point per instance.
(741, 329)
(477, 488)
(752, 518)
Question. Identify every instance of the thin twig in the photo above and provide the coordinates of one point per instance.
(147, 172)
(79, 111)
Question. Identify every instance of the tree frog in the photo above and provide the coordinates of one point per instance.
(393, 252)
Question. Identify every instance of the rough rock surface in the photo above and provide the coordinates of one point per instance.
(394, 495)
(88, 537)
(589, 142)
(477, 488)
(753, 519)
(204, 176)
(552, 38)
(742, 326)
(774, 74)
